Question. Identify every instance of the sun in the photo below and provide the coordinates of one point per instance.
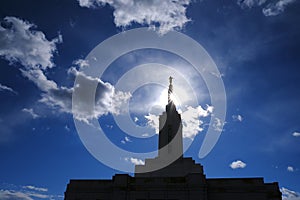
(163, 99)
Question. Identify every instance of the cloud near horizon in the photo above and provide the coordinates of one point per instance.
(164, 15)
(26, 195)
(28, 192)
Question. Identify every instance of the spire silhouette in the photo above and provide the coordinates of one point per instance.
(170, 91)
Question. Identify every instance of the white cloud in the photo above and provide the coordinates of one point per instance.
(290, 168)
(190, 120)
(165, 15)
(31, 49)
(271, 9)
(145, 134)
(29, 192)
(81, 63)
(153, 121)
(237, 118)
(237, 164)
(20, 43)
(6, 88)
(40, 189)
(126, 139)
(25, 195)
(31, 112)
(14, 195)
(250, 3)
(277, 8)
(90, 4)
(40, 196)
(52, 95)
(289, 194)
(38, 77)
(209, 110)
(296, 134)
(107, 99)
(218, 124)
(59, 97)
(135, 161)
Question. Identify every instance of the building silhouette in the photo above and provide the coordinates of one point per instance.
(181, 179)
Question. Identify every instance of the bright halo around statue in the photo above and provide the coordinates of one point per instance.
(174, 97)
(150, 91)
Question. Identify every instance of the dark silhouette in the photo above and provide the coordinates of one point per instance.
(182, 179)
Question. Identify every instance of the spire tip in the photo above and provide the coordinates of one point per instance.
(170, 91)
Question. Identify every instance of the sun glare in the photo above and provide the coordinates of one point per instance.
(163, 99)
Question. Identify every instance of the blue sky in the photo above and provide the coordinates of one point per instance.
(44, 45)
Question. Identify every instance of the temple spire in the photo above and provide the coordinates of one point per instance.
(170, 91)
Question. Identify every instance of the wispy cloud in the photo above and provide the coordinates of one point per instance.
(16, 195)
(81, 63)
(271, 8)
(25, 195)
(31, 112)
(40, 189)
(165, 15)
(237, 164)
(6, 88)
(277, 8)
(28, 192)
(250, 3)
